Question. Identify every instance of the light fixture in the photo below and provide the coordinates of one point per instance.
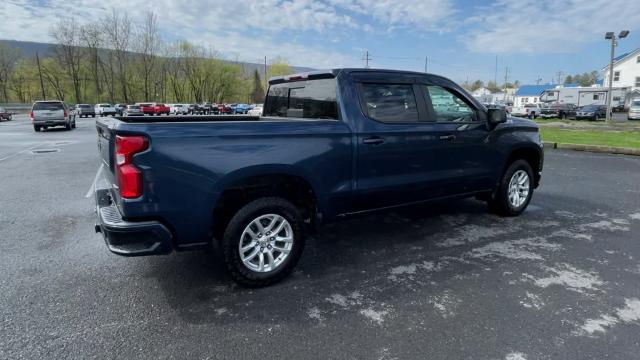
(609, 35)
(623, 34)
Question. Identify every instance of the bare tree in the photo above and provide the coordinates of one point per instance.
(148, 44)
(68, 51)
(8, 59)
(117, 30)
(91, 36)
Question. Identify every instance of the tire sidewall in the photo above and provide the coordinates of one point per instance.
(503, 193)
(239, 222)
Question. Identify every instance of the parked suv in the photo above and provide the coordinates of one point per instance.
(85, 110)
(46, 114)
(591, 112)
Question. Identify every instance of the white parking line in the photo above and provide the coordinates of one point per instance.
(93, 184)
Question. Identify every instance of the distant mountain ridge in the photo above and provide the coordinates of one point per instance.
(30, 48)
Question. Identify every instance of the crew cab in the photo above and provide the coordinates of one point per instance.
(105, 110)
(531, 111)
(147, 108)
(330, 144)
(159, 109)
(558, 110)
(85, 110)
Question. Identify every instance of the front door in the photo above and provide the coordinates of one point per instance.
(465, 157)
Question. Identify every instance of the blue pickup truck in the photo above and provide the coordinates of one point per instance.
(329, 144)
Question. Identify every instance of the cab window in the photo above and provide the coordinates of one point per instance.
(448, 106)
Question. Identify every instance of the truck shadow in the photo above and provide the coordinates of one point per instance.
(344, 258)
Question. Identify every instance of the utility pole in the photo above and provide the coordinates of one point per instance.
(538, 80)
(559, 76)
(612, 36)
(366, 59)
(506, 80)
(495, 74)
(266, 84)
(44, 96)
(426, 63)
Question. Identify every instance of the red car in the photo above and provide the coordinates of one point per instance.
(160, 109)
(225, 109)
(154, 108)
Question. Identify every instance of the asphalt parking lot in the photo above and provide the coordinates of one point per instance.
(442, 281)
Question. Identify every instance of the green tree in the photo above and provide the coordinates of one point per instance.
(493, 87)
(568, 79)
(257, 94)
(476, 85)
(278, 67)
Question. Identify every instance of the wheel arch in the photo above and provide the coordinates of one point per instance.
(530, 154)
(245, 185)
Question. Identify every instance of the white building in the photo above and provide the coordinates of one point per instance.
(626, 73)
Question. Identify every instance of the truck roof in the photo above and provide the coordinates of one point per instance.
(320, 74)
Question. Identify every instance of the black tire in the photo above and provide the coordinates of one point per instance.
(233, 233)
(500, 203)
(36, 128)
(73, 125)
(94, 115)
(68, 126)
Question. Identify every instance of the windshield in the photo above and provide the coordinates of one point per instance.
(635, 103)
(590, 108)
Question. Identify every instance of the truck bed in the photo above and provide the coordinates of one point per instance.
(185, 118)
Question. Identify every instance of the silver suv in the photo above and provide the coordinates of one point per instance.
(45, 114)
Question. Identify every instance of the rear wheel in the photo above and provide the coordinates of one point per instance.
(36, 128)
(515, 190)
(263, 241)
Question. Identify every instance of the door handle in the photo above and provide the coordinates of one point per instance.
(373, 141)
(447, 137)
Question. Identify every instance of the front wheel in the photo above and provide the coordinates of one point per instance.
(515, 190)
(263, 241)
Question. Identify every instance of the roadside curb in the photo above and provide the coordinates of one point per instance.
(593, 148)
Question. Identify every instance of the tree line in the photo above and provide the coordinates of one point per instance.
(117, 61)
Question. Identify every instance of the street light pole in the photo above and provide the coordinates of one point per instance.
(612, 36)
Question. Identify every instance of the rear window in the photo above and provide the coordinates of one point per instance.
(133, 107)
(48, 105)
(310, 99)
(83, 106)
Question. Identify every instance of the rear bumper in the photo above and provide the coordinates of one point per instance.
(128, 238)
(50, 122)
(631, 116)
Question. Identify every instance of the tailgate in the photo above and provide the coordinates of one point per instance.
(105, 147)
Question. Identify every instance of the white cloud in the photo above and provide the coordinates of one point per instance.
(420, 14)
(547, 26)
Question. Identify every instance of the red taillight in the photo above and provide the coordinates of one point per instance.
(65, 113)
(31, 115)
(128, 176)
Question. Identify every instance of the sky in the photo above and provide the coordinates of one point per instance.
(460, 39)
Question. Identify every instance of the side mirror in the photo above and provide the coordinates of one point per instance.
(496, 116)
